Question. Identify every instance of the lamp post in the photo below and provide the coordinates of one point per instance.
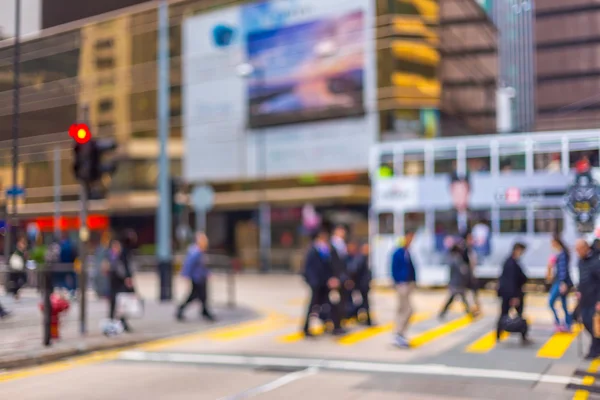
(15, 129)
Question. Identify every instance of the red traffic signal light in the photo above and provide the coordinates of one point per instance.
(80, 132)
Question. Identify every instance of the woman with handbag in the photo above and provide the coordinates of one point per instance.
(17, 275)
(119, 277)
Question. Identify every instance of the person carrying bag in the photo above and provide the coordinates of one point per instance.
(121, 284)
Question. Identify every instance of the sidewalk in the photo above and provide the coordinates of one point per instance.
(21, 334)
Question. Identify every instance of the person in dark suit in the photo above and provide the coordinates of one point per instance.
(340, 258)
(360, 273)
(320, 277)
(510, 287)
(588, 291)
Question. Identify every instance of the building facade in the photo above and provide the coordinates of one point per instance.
(428, 79)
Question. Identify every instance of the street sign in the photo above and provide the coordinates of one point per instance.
(203, 198)
(15, 191)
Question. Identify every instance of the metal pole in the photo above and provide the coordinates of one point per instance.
(57, 183)
(201, 220)
(83, 239)
(15, 119)
(264, 211)
(164, 216)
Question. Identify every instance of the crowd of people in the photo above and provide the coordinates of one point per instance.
(334, 270)
(337, 273)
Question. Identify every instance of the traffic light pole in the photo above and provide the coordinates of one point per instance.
(164, 215)
(83, 239)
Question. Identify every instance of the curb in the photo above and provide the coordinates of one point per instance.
(50, 355)
(25, 361)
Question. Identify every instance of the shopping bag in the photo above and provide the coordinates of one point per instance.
(111, 327)
(129, 306)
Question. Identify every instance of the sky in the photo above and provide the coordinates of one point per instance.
(31, 17)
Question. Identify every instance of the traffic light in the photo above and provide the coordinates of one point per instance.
(82, 161)
(101, 167)
(89, 165)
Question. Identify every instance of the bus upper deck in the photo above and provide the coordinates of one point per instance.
(501, 188)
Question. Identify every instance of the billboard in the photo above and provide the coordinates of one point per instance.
(278, 88)
(301, 87)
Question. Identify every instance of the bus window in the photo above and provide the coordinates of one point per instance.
(478, 159)
(386, 165)
(512, 157)
(548, 220)
(414, 162)
(444, 161)
(386, 224)
(580, 149)
(413, 221)
(547, 157)
(513, 220)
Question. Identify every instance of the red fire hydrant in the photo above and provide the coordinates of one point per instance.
(58, 305)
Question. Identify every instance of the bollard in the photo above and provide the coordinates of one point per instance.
(46, 286)
(233, 268)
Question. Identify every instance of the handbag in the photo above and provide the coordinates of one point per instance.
(130, 306)
(513, 324)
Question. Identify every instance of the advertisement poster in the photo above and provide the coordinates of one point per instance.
(279, 88)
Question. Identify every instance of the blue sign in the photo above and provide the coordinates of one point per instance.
(15, 191)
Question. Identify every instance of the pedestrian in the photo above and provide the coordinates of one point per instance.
(360, 274)
(120, 278)
(459, 279)
(340, 258)
(101, 284)
(588, 292)
(320, 278)
(471, 258)
(17, 275)
(561, 283)
(510, 289)
(405, 277)
(68, 277)
(195, 270)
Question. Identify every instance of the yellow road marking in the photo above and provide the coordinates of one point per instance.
(558, 344)
(441, 331)
(367, 333)
(587, 381)
(246, 329)
(297, 336)
(486, 343)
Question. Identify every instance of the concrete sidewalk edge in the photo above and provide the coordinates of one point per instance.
(123, 341)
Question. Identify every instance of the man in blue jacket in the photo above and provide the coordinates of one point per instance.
(194, 268)
(405, 277)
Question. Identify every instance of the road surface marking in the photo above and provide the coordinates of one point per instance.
(587, 381)
(441, 331)
(297, 336)
(486, 343)
(367, 333)
(343, 365)
(276, 384)
(558, 344)
(246, 329)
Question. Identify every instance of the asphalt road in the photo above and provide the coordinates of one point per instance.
(266, 358)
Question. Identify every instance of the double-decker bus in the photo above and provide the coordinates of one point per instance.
(501, 188)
